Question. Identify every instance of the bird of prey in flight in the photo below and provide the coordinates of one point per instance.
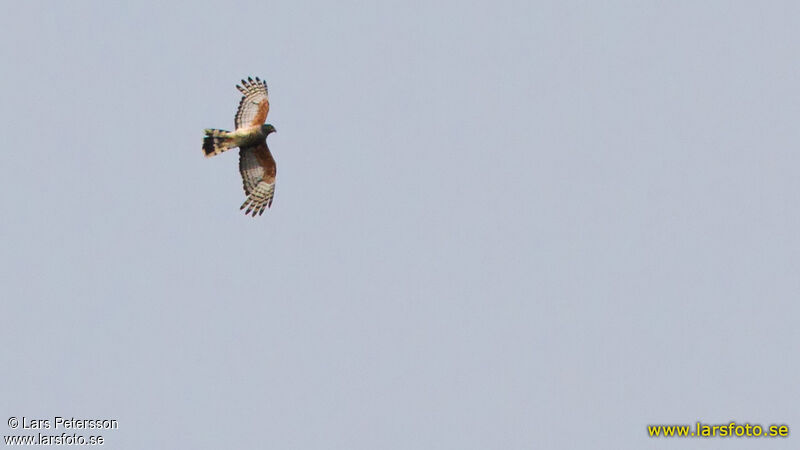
(255, 161)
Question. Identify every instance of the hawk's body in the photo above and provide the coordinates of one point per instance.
(255, 161)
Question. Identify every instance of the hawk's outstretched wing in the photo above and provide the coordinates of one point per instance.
(258, 176)
(254, 106)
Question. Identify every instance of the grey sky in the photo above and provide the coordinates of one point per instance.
(496, 225)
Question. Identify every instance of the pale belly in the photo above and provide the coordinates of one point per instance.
(244, 137)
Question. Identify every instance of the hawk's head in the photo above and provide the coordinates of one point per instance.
(267, 129)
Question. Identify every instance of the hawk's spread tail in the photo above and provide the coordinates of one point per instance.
(216, 142)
